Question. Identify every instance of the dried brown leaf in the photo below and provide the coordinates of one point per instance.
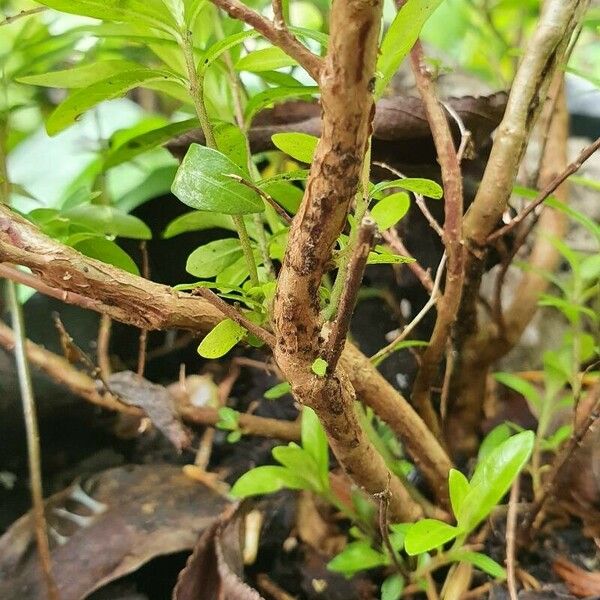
(126, 517)
(580, 582)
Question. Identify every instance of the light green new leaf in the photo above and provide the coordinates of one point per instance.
(481, 561)
(428, 534)
(319, 367)
(203, 182)
(209, 260)
(265, 59)
(149, 12)
(82, 75)
(493, 439)
(300, 146)
(68, 111)
(400, 38)
(314, 441)
(109, 221)
(357, 556)
(299, 461)
(221, 339)
(493, 477)
(231, 141)
(277, 391)
(266, 480)
(387, 212)
(217, 49)
(392, 587)
(458, 486)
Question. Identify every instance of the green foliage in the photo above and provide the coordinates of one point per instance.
(221, 339)
(302, 467)
(300, 146)
(319, 367)
(277, 391)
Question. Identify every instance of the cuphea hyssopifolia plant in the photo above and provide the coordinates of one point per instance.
(306, 467)
(576, 296)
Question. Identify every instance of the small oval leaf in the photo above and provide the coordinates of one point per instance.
(221, 339)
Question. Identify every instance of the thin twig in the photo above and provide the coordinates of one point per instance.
(278, 36)
(266, 197)
(103, 346)
(24, 13)
(386, 351)
(235, 315)
(586, 153)
(511, 526)
(466, 142)
(33, 441)
(448, 305)
(354, 275)
(278, 19)
(395, 242)
(143, 343)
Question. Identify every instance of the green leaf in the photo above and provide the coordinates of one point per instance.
(299, 146)
(106, 251)
(398, 533)
(590, 268)
(68, 111)
(314, 441)
(428, 534)
(221, 339)
(387, 212)
(459, 487)
(197, 220)
(228, 419)
(82, 75)
(493, 478)
(209, 260)
(150, 12)
(265, 59)
(299, 461)
(109, 221)
(383, 257)
(202, 182)
(392, 587)
(357, 556)
(222, 46)
(285, 194)
(231, 141)
(493, 439)
(520, 386)
(423, 187)
(319, 367)
(482, 562)
(274, 95)
(298, 175)
(277, 391)
(400, 38)
(147, 141)
(266, 480)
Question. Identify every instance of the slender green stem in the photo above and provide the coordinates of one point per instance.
(196, 89)
(246, 248)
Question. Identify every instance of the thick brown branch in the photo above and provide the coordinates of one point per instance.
(544, 52)
(348, 110)
(279, 36)
(94, 284)
(448, 304)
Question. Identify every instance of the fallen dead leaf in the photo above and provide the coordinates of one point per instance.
(580, 582)
(106, 528)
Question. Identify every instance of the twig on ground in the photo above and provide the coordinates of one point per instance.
(279, 36)
(235, 315)
(33, 442)
(354, 275)
(511, 526)
(586, 153)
